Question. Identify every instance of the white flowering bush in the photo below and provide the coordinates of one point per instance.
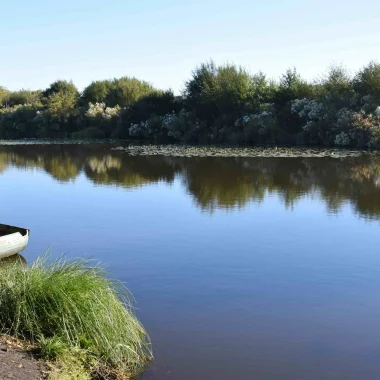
(369, 125)
(182, 126)
(300, 107)
(310, 109)
(353, 128)
(100, 120)
(257, 127)
(267, 111)
(179, 127)
(171, 122)
(328, 125)
(344, 119)
(357, 128)
(101, 111)
(342, 139)
(315, 116)
(243, 121)
(139, 130)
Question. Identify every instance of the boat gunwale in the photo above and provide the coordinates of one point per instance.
(6, 230)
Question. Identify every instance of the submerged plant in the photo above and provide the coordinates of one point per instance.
(76, 306)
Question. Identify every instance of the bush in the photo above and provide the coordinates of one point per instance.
(101, 117)
(18, 122)
(156, 103)
(77, 306)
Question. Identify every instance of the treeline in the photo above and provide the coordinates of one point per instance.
(219, 105)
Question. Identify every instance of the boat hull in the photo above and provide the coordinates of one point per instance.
(13, 240)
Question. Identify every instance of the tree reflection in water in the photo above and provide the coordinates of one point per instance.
(226, 183)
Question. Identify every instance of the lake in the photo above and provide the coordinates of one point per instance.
(242, 268)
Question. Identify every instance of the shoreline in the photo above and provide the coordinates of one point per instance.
(178, 150)
(53, 326)
(18, 362)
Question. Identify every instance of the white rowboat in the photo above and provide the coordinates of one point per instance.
(12, 240)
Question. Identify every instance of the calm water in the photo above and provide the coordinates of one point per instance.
(243, 268)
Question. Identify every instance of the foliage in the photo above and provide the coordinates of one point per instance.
(215, 90)
(18, 122)
(219, 104)
(292, 86)
(156, 103)
(127, 90)
(101, 111)
(61, 86)
(99, 121)
(21, 98)
(3, 96)
(97, 92)
(152, 106)
(58, 118)
(337, 87)
(70, 305)
(367, 82)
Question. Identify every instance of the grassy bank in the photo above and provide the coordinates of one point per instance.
(80, 321)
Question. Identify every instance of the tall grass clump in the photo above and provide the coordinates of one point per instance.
(76, 305)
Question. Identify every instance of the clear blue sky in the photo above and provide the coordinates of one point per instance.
(162, 41)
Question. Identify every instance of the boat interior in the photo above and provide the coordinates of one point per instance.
(7, 230)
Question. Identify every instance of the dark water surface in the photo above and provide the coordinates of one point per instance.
(260, 268)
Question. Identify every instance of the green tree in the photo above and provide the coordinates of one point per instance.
(61, 86)
(216, 90)
(336, 88)
(292, 86)
(202, 77)
(61, 100)
(263, 91)
(233, 88)
(3, 96)
(61, 104)
(157, 103)
(97, 92)
(22, 97)
(367, 81)
(127, 90)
